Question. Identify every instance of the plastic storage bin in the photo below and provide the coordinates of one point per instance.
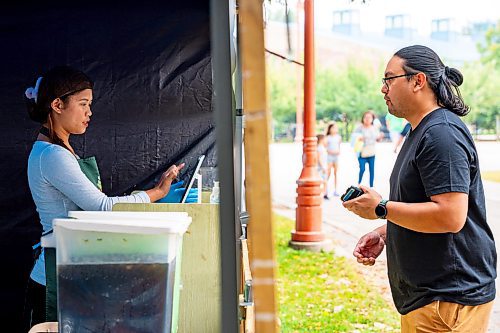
(118, 272)
(99, 215)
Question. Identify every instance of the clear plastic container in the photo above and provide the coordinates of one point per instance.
(117, 272)
(215, 194)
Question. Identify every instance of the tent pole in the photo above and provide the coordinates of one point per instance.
(222, 97)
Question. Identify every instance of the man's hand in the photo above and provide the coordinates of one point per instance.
(369, 248)
(364, 205)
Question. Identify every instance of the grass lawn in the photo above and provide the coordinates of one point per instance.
(320, 292)
(493, 176)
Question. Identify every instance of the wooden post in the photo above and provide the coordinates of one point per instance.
(258, 193)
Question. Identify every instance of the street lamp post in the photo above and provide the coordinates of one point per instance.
(308, 233)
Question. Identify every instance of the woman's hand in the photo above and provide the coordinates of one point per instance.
(163, 187)
(167, 177)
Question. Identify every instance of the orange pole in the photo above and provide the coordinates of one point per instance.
(309, 200)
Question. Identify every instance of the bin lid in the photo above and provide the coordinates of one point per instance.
(126, 225)
(86, 214)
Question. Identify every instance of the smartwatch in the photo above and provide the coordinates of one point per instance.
(381, 209)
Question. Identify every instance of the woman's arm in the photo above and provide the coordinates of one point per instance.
(60, 168)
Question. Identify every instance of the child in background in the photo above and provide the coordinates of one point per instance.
(333, 140)
(322, 163)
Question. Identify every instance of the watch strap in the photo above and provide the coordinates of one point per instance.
(383, 203)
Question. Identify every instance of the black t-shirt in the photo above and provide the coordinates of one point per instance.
(437, 157)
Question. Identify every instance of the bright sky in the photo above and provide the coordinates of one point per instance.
(372, 13)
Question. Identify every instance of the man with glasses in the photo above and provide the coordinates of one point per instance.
(441, 255)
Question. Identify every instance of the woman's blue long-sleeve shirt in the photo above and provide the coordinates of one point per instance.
(58, 186)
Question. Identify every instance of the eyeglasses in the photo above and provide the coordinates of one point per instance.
(385, 79)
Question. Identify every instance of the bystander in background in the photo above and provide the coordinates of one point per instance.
(333, 140)
(365, 137)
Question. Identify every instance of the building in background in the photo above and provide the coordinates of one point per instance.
(451, 28)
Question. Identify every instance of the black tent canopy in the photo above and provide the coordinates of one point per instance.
(152, 105)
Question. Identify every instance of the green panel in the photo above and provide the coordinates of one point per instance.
(199, 298)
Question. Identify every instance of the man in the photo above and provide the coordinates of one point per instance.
(441, 254)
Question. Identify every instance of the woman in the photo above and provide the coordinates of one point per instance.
(58, 179)
(333, 140)
(368, 135)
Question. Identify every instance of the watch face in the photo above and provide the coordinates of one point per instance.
(380, 211)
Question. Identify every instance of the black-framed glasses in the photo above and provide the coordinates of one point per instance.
(385, 79)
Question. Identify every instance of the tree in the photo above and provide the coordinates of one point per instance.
(481, 82)
(283, 87)
(351, 91)
(490, 50)
(342, 94)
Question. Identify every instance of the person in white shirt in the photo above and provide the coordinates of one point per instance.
(369, 135)
(333, 140)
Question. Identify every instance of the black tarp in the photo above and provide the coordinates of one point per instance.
(152, 103)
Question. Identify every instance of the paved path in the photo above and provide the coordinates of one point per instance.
(345, 228)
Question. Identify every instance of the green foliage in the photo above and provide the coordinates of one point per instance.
(320, 292)
(490, 50)
(282, 77)
(341, 95)
(480, 92)
(345, 93)
(481, 82)
(351, 91)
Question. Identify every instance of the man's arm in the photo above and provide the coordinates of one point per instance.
(382, 231)
(445, 212)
